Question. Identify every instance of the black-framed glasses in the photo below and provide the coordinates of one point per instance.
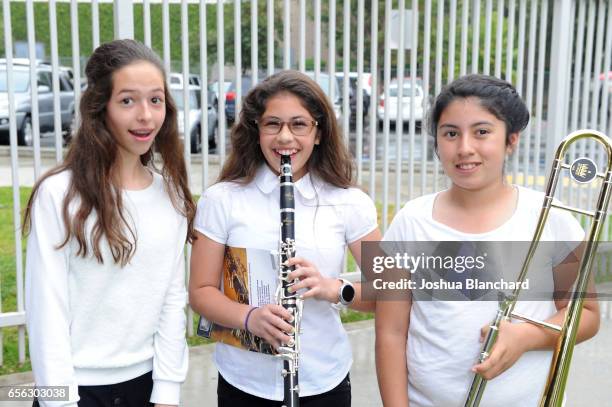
(298, 127)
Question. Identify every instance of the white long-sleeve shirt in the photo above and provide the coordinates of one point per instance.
(97, 324)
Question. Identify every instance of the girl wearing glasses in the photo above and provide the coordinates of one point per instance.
(426, 350)
(289, 114)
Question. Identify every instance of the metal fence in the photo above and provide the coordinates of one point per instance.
(556, 52)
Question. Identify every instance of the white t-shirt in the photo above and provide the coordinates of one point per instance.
(443, 338)
(326, 219)
(97, 324)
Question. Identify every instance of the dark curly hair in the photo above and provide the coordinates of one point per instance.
(497, 96)
(330, 160)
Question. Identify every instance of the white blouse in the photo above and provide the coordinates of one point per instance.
(327, 218)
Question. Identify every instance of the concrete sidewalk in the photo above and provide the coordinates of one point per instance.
(590, 383)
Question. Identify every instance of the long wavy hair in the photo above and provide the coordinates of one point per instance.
(92, 158)
(330, 159)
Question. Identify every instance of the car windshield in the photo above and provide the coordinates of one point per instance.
(393, 90)
(194, 100)
(21, 80)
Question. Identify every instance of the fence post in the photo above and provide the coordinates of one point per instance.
(123, 19)
(560, 63)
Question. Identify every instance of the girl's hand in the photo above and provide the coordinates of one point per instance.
(269, 323)
(322, 288)
(510, 345)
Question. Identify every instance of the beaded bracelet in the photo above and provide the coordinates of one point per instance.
(246, 320)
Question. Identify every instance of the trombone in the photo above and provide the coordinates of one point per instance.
(583, 170)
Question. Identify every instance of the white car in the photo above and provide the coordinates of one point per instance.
(328, 86)
(195, 115)
(389, 102)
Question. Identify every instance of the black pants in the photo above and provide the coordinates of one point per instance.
(230, 396)
(133, 393)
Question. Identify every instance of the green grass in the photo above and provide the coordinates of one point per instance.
(8, 286)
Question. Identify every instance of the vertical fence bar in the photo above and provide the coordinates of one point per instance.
(8, 46)
(578, 58)
(57, 120)
(123, 18)
(33, 89)
(465, 12)
(221, 80)
(95, 24)
(498, 38)
(204, 91)
(399, 116)
(588, 61)
(586, 79)
(487, 40)
(146, 23)
(373, 96)
(254, 44)
(187, 130)
(166, 35)
(573, 150)
(413, 75)
(530, 81)
(597, 65)
(519, 80)
(359, 99)
(475, 35)
(426, 57)
(287, 35)
(270, 39)
(577, 83)
(452, 32)
(510, 41)
(387, 80)
(186, 86)
(317, 39)
(439, 68)
(76, 58)
(237, 58)
(302, 37)
(331, 59)
(346, 63)
(539, 111)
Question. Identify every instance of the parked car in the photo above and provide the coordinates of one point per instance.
(231, 95)
(389, 102)
(23, 102)
(327, 86)
(176, 78)
(214, 86)
(366, 90)
(195, 116)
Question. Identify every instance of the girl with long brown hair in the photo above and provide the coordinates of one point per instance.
(289, 114)
(105, 290)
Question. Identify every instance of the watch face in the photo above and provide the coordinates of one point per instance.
(348, 293)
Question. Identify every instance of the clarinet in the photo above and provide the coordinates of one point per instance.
(289, 352)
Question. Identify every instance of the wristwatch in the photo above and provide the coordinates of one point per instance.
(346, 295)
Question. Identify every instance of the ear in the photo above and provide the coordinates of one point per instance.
(513, 140)
(317, 138)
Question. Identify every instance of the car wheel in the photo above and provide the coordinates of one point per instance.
(212, 139)
(25, 136)
(196, 145)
